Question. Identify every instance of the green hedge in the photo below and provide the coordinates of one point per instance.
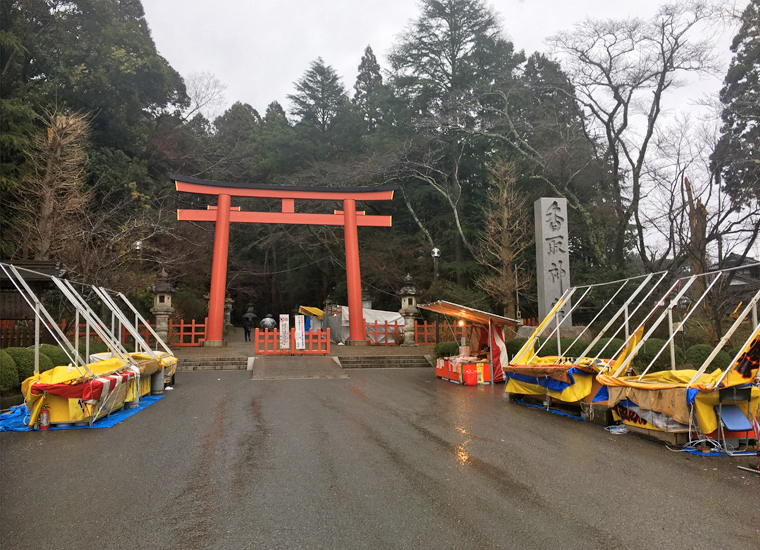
(650, 349)
(24, 359)
(99, 347)
(515, 345)
(56, 354)
(551, 347)
(733, 352)
(447, 349)
(606, 347)
(697, 354)
(8, 374)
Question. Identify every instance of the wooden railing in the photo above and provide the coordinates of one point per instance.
(15, 333)
(383, 334)
(267, 342)
(425, 333)
(187, 334)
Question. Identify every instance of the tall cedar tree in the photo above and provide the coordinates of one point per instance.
(320, 97)
(368, 84)
(451, 54)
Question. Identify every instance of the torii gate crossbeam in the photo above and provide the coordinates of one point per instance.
(224, 213)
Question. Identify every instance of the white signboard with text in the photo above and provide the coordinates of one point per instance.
(300, 340)
(285, 331)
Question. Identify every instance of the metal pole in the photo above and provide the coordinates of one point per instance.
(517, 295)
(87, 340)
(672, 340)
(36, 338)
(76, 331)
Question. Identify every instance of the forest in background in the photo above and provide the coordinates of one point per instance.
(470, 127)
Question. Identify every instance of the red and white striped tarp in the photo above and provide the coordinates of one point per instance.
(89, 391)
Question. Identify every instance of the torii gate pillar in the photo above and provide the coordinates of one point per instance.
(215, 329)
(223, 213)
(353, 274)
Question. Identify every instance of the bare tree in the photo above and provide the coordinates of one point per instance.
(690, 219)
(206, 93)
(506, 236)
(622, 70)
(51, 196)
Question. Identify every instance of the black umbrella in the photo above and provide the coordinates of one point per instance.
(249, 315)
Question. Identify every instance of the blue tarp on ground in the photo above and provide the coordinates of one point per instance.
(546, 381)
(14, 421)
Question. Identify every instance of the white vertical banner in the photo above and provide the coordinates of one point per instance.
(285, 331)
(300, 340)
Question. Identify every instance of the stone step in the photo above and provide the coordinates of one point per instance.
(384, 361)
(213, 363)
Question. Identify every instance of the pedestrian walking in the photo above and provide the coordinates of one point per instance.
(247, 329)
(268, 322)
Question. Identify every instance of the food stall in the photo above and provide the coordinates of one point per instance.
(481, 361)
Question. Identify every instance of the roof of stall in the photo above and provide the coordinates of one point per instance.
(468, 313)
(313, 311)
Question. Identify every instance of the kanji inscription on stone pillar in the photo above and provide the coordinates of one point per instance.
(552, 256)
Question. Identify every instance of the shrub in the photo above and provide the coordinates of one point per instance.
(551, 347)
(606, 347)
(514, 346)
(99, 347)
(446, 349)
(129, 347)
(24, 359)
(697, 354)
(650, 349)
(733, 352)
(8, 373)
(56, 354)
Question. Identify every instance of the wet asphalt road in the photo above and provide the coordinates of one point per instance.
(384, 459)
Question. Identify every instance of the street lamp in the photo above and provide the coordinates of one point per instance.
(435, 253)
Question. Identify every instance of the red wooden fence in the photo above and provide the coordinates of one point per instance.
(383, 334)
(267, 342)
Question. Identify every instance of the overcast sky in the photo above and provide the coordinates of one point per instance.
(259, 48)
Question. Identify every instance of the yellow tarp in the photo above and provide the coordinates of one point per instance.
(306, 310)
(665, 392)
(574, 392)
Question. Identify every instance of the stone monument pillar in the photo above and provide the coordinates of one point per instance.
(552, 256)
(408, 311)
(162, 305)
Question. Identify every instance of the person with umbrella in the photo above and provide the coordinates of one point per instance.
(268, 323)
(247, 324)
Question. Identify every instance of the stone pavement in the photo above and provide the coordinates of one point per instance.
(274, 367)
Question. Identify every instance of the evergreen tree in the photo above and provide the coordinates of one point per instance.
(368, 85)
(453, 53)
(737, 155)
(320, 97)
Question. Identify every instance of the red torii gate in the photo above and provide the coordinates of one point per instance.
(223, 213)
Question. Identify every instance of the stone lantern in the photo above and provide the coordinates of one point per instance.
(366, 299)
(408, 311)
(228, 326)
(162, 304)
